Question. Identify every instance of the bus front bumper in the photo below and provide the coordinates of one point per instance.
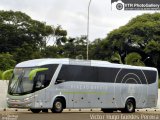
(16, 103)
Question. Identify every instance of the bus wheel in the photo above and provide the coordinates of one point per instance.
(57, 106)
(130, 106)
(107, 110)
(35, 110)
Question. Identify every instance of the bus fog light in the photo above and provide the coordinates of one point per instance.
(28, 105)
(26, 99)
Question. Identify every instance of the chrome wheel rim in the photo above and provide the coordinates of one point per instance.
(58, 105)
(130, 106)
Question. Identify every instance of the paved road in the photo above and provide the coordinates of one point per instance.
(150, 114)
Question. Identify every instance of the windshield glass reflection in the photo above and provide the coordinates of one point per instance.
(20, 82)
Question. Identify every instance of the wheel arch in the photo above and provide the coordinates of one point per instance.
(62, 98)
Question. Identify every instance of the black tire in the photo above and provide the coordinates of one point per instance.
(107, 110)
(129, 106)
(45, 110)
(35, 110)
(57, 106)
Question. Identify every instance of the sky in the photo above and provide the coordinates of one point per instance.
(72, 15)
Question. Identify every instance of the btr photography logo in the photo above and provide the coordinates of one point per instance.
(117, 5)
(120, 5)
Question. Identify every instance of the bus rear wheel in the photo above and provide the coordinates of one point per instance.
(57, 106)
(129, 106)
(35, 110)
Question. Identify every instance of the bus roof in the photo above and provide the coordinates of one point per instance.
(45, 61)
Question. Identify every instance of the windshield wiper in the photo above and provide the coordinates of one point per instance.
(20, 82)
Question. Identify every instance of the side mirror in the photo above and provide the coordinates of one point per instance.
(5, 73)
(59, 81)
(33, 73)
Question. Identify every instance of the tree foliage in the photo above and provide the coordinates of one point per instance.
(100, 50)
(60, 35)
(18, 32)
(22, 38)
(116, 58)
(131, 59)
(140, 35)
(6, 61)
(70, 48)
(134, 59)
(1, 72)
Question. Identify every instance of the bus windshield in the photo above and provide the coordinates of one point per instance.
(20, 83)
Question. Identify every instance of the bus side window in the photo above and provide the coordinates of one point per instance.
(62, 77)
(41, 82)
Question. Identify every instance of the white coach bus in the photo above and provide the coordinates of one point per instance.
(56, 84)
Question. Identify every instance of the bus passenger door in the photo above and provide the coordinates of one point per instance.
(40, 99)
(40, 94)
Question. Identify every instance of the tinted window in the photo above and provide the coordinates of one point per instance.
(107, 74)
(45, 76)
(78, 73)
(104, 74)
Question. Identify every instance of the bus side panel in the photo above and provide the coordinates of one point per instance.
(152, 89)
(152, 96)
(102, 96)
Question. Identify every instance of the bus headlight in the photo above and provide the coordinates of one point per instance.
(7, 99)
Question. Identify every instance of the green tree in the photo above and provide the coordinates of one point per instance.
(75, 47)
(153, 49)
(6, 61)
(60, 35)
(131, 59)
(116, 58)
(134, 59)
(99, 49)
(1, 72)
(18, 30)
(51, 52)
(58, 40)
(70, 48)
(25, 52)
(137, 36)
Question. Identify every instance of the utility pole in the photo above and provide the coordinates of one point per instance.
(88, 27)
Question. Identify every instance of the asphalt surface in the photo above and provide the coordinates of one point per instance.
(149, 114)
